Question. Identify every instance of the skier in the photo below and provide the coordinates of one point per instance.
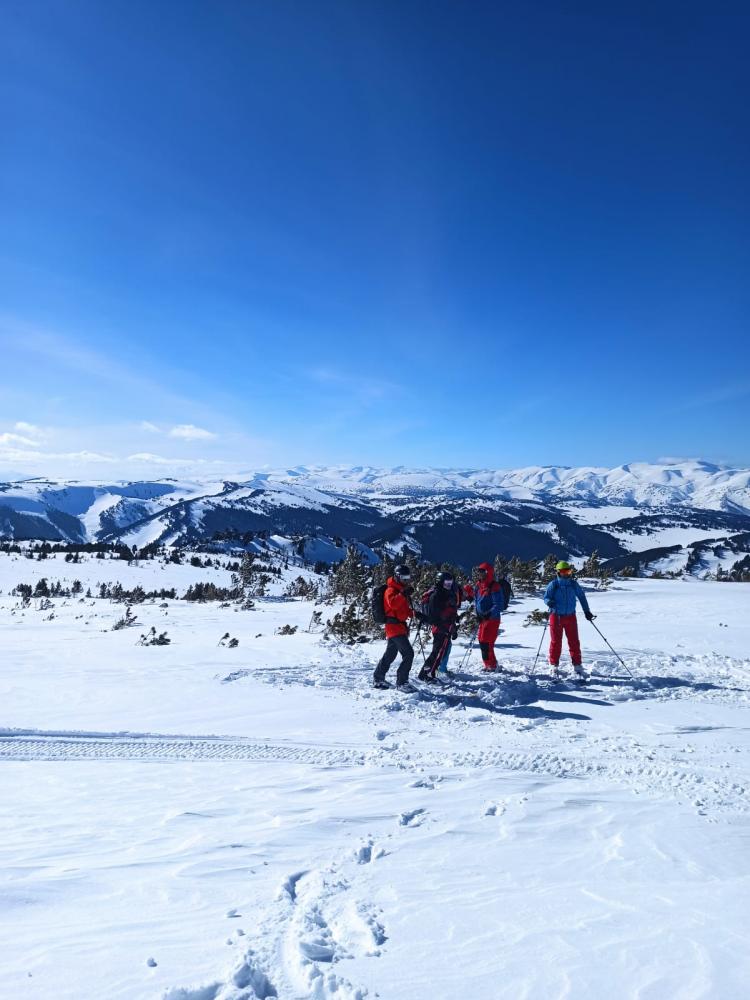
(489, 601)
(560, 597)
(444, 603)
(398, 611)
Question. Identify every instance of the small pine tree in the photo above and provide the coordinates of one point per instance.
(548, 567)
(592, 567)
(346, 625)
(351, 577)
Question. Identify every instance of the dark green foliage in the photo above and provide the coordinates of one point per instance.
(524, 575)
(302, 588)
(202, 592)
(548, 567)
(126, 621)
(536, 617)
(152, 639)
(348, 626)
(350, 578)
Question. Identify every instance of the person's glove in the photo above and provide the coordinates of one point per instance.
(454, 633)
(589, 616)
(408, 591)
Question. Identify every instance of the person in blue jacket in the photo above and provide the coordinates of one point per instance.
(489, 603)
(560, 597)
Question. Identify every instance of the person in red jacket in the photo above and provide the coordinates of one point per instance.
(489, 601)
(398, 612)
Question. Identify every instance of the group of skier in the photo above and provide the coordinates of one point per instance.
(439, 609)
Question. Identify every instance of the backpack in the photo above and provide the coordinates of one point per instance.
(377, 606)
(507, 591)
(427, 608)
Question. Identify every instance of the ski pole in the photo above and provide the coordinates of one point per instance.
(536, 658)
(613, 650)
(418, 638)
(467, 654)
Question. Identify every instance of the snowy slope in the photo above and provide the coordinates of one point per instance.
(459, 515)
(198, 823)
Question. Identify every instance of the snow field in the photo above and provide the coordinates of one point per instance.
(196, 823)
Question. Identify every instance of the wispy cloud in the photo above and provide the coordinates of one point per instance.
(726, 393)
(151, 459)
(189, 432)
(24, 457)
(16, 439)
(354, 385)
(30, 429)
(67, 354)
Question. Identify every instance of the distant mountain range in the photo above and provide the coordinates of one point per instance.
(687, 516)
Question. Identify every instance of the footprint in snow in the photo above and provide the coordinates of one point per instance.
(411, 818)
(495, 809)
(423, 783)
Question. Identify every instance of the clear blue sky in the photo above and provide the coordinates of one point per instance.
(457, 234)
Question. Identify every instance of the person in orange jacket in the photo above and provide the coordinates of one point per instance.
(398, 612)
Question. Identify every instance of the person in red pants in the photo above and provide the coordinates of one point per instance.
(560, 597)
(489, 601)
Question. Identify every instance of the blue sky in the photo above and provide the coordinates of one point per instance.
(488, 235)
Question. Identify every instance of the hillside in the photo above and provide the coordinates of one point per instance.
(689, 516)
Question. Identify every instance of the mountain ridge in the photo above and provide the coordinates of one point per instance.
(662, 509)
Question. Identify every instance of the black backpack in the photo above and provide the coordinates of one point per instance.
(377, 606)
(507, 591)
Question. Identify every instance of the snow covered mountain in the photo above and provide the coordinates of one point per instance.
(688, 515)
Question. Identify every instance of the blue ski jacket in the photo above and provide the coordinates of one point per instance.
(560, 596)
(489, 599)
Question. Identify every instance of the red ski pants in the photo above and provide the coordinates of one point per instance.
(487, 635)
(569, 625)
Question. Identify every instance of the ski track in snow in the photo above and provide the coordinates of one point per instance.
(632, 765)
(107, 746)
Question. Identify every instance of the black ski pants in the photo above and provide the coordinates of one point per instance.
(440, 642)
(396, 644)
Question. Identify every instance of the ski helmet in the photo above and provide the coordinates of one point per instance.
(562, 565)
(402, 572)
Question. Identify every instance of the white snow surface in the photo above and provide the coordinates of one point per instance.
(192, 822)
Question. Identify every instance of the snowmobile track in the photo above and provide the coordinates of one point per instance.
(109, 746)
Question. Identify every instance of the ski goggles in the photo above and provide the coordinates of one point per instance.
(448, 584)
(565, 572)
